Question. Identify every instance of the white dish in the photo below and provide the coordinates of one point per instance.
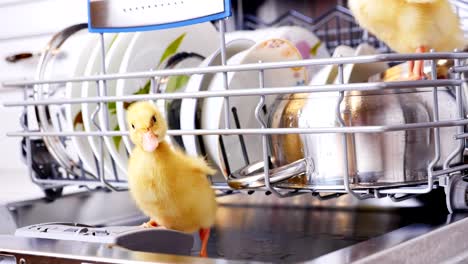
(352, 73)
(73, 111)
(213, 117)
(356, 73)
(89, 89)
(329, 73)
(305, 41)
(171, 108)
(190, 108)
(149, 50)
(114, 57)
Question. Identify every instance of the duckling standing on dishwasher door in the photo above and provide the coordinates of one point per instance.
(411, 25)
(167, 185)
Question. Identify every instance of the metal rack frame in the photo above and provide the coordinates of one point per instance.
(435, 177)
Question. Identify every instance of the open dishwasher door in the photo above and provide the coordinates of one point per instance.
(256, 228)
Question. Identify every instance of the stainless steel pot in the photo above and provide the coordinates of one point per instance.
(378, 159)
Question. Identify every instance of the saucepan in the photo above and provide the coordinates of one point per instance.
(374, 160)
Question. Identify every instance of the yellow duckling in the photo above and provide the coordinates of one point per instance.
(411, 25)
(167, 185)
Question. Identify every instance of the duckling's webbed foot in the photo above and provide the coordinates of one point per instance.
(416, 68)
(150, 224)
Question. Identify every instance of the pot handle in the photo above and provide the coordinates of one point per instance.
(252, 176)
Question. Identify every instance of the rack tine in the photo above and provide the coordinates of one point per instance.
(241, 137)
(96, 110)
(114, 170)
(266, 158)
(102, 106)
(327, 197)
(461, 129)
(345, 142)
(154, 88)
(24, 124)
(222, 31)
(435, 112)
(402, 198)
(224, 155)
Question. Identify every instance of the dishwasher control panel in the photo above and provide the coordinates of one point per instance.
(158, 240)
(137, 15)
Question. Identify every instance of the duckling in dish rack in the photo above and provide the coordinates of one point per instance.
(168, 185)
(411, 25)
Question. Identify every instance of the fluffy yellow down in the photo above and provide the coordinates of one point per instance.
(168, 185)
(405, 25)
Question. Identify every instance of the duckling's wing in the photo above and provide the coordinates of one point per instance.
(197, 164)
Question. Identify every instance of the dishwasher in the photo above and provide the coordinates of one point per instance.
(342, 169)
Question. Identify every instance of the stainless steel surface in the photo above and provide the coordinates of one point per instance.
(96, 208)
(248, 227)
(137, 238)
(293, 111)
(450, 239)
(57, 251)
(302, 228)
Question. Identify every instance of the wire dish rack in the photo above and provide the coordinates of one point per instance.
(336, 27)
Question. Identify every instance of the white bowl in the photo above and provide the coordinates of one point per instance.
(272, 50)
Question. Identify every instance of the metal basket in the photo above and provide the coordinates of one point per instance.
(336, 27)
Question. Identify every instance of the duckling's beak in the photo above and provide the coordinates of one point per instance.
(150, 141)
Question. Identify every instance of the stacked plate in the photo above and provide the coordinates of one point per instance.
(191, 46)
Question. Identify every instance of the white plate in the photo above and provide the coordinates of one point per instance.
(272, 50)
(89, 89)
(62, 66)
(352, 73)
(200, 82)
(171, 108)
(148, 50)
(305, 41)
(73, 90)
(329, 74)
(114, 57)
(356, 73)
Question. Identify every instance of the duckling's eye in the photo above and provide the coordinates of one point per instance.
(154, 119)
(133, 126)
